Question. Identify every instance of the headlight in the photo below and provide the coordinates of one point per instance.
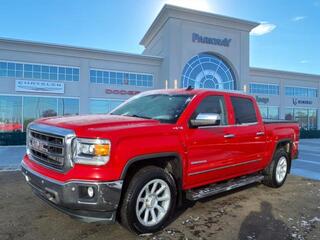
(91, 151)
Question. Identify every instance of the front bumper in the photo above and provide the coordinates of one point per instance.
(68, 196)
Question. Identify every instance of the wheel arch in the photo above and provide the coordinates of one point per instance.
(170, 161)
(287, 145)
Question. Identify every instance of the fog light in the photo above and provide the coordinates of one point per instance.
(28, 151)
(90, 192)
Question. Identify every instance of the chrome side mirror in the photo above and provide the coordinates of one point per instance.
(206, 119)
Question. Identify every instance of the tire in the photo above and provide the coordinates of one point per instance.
(276, 173)
(146, 178)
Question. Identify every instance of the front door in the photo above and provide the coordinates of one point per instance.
(206, 151)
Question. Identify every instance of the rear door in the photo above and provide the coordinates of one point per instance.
(247, 140)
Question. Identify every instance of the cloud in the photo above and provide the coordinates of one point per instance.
(298, 18)
(304, 61)
(262, 29)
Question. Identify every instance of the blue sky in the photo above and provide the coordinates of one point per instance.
(288, 39)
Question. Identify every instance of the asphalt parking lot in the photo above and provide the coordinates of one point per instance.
(254, 212)
(308, 163)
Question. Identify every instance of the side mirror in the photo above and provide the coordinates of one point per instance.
(206, 119)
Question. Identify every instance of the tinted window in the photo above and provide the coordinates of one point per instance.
(212, 104)
(244, 110)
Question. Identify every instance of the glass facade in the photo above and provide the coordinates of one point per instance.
(10, 113)
(16, 112)
(121, 78)
(38, 72)
(207, 71)
(269, 112)
(100, 106)
(301, 92)
(262, 88)
(307, 118)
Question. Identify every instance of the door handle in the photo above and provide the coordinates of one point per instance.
(229, 136)
(260, 133)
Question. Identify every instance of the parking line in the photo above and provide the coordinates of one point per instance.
(309, 161)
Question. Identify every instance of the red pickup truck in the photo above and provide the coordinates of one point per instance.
(156, 150)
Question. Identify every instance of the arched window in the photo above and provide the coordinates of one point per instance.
(208, 71)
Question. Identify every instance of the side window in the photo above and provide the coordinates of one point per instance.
(212, 104)
(244, 110)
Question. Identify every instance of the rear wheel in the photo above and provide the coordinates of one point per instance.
(149, 200)
(276, 173)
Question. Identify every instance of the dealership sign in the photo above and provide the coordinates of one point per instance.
(121, 92)
(263, 100)
(296, 101)
(39, 86)
(225, 42)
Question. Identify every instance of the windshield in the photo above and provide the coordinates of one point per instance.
(163, 107)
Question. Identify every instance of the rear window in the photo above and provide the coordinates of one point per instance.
(244, 110)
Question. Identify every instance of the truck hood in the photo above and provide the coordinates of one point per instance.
(98, 123)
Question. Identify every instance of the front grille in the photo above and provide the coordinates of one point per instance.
(47, 138)
(47, 149)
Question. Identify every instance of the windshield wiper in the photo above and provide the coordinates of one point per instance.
(138, 116)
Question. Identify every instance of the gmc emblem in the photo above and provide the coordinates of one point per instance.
(38, 145)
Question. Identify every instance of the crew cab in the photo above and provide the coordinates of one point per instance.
(160, 148)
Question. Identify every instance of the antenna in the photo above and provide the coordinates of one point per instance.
(189, 88)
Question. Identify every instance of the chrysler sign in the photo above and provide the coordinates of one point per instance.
(39, 86)
(225, 42)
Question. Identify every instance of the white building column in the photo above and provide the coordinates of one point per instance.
(84, 87)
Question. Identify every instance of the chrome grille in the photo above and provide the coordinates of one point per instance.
(47, 149)
(50, 146)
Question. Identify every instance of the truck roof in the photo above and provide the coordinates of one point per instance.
(200, 91)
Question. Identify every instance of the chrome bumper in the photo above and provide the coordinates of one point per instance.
(68, 197)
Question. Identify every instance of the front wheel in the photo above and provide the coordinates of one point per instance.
(276, 173)
(149, 200)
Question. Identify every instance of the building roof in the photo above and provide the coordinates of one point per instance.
(64, 47)
(283, 74)
(170, 11)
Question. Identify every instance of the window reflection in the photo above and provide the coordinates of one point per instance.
(10, 113)
(68, 106)
(269, 112)
(100, 106)
(261, 88)
(207, 71)
(307, 118)
(16, 112)
(301, 92)
(38, 107)
(41, 72)
(121, 78)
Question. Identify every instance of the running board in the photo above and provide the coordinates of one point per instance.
(213, 189)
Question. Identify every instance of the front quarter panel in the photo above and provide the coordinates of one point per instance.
(143, 142)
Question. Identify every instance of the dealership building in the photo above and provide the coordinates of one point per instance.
(182, 48)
